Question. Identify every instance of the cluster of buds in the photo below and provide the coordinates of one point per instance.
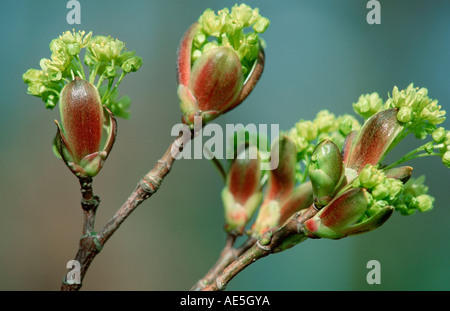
(368, 195)
(216, 76)
(348, 212)
(368, 105)
(88, 126)
(414, 106)
(105, 57)
(243, 192)
(47, 82)
(282, 197)
(351, 210)
(326, 126)
(347, 187)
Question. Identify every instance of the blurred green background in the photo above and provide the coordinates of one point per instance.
(319, 55)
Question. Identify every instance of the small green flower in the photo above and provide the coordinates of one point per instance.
(370, 177)
(227, 28)
(347, 123)
(307, 130)
(388, 190)
(439, 135)
(368, 104)
(414, 197)
(405, 114)
(423, 203)
(300, 142)
(132, 64)
(325, 121)
(105, 57)
(419, 113)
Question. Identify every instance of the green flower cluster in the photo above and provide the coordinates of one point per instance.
(307, 134)
(227, 29)
(48, 81)
(105, 57)
(368, 105)
(384, 191)
(419, 113)
(414, 197)
(440, 145)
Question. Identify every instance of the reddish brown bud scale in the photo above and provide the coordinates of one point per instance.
(244, 179)
(218, 79)
(214, 83)
(184, 55)
(84, 121)
(301, 198)
(282, 179)
(373, 140)
(81, 117)
(345, 209)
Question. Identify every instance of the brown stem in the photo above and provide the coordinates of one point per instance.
(88, 246)
(91, 243)
(89, 204)
(269, 243)
(227, 256)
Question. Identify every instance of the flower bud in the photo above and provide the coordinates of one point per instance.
(370, 177)
(213, 82)
(132, 64)
(368, 104)
(326, 172)
(307, 129)
(404, 114)
(243, 192)
(346, 215)
(424, 203)
(280, 187)
(439, 135)
(80, 134)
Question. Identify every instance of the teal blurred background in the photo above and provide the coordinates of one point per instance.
(319, 55)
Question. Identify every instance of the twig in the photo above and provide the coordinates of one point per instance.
(217, 164)
(227, 256)
(269, 243)
(91, 243)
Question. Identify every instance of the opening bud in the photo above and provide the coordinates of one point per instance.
(80, 140)
(243, 192)
(326, 172)
(214, 76)
(347, 214)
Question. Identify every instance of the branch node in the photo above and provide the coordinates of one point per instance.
(220, 284)
(90, 204)
(263, 247)
(150, 183)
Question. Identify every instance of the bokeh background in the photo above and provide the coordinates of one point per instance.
(319, 55)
